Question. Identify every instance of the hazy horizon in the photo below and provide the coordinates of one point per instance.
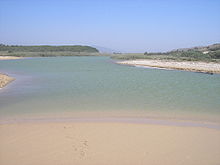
(125, 26)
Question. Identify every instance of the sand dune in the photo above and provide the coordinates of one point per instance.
(107, 143)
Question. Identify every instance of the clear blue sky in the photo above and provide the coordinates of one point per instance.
(123, 25)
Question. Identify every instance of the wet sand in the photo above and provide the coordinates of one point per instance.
(98, 143)
(184, 65)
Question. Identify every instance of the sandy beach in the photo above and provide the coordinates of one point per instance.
(4, 80)
(184, 65)
(9, 57)
(85, 143)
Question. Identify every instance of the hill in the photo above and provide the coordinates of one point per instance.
(213, 47)
(47, 51)
(202, 53)
(47, 48)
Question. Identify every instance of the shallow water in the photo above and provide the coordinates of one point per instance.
(91, 84)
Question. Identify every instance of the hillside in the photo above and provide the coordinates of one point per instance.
(209, 53)
(47, 48)
(213, 47)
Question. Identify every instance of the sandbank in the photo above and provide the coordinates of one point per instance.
(4, 80)
(98, 143)
(206, 67)
(9, 57)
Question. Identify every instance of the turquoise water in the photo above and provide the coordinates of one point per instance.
(89, 84)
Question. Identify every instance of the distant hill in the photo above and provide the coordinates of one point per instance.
(104, 49)
(205, 52)
(47, 48)
(209, 48)
(209, 53)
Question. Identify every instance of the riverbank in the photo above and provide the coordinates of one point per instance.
(9, 57)
(183, 65)
(4, 80)
(91, 143)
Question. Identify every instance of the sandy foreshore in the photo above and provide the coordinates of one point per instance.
(4, 80)
(184, 65)
(9, 57)
(91, 143)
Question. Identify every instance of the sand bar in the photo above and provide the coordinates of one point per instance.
(4, 80)
(107, 143)
(183, 65)
(9, 57)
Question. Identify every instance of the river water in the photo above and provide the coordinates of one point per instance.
(66, 85)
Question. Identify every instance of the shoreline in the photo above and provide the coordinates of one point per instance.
(5, 80)
(95, 143)
(9, 57)
(125, 120)
(203, 67)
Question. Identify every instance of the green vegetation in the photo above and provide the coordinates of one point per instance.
(47, 51)
(208, 54)
(215, 54)
(45, 48)
(48, 54)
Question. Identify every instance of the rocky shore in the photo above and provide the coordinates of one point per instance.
(205, 67)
